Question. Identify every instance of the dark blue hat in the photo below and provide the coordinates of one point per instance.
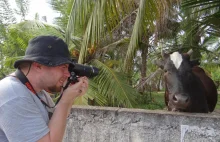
(46, 50)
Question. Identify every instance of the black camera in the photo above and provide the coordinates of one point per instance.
(83, 70)
(77, 70)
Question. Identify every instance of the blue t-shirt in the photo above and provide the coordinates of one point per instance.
(23, 117)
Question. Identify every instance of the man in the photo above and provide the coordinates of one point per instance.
(24, 101)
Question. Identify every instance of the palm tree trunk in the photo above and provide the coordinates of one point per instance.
(144, 52)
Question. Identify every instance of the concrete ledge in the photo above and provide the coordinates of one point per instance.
(105, 124)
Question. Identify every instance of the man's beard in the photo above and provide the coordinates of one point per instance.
(54, 89)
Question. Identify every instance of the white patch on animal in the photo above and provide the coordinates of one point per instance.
(177, 59)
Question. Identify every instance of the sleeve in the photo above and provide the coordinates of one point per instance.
(22, 121)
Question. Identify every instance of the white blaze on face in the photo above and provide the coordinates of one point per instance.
(177, 59)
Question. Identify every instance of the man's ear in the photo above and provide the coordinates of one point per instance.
(36, 66)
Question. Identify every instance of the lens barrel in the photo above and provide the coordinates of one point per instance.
(84, 70)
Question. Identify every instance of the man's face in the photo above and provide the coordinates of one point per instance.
(54, 77)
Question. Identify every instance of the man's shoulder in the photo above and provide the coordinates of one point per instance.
(9, 83)
(11, 88)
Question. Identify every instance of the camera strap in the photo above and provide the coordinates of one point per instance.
(20, 75)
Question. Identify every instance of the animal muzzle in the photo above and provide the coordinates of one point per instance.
(179, 102)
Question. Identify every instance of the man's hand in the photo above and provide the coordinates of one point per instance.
(75, 90)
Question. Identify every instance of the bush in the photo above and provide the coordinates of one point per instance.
(151, 100)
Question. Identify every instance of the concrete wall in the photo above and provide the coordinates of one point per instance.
(101, 124)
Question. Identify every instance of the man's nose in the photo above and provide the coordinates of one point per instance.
(67, 73)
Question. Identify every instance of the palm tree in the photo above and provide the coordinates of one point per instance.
(110, 88)
(23, 7)
(96, 23)
(151, 24)
(109, 35)
(6, 18)
(202, 25)
(210, 16)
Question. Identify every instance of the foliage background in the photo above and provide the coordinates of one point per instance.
(122, 38)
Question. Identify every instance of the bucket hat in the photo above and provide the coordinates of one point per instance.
(46, 50)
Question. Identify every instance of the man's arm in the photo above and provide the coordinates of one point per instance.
(57, 123)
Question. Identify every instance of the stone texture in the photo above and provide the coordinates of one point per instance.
(105, 124)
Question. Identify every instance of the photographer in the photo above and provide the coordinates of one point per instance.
(25, 105)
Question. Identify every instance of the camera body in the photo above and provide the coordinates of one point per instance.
(77, 70)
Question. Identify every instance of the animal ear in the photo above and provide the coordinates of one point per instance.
(190, 52)
(159, 63)
(164, 55)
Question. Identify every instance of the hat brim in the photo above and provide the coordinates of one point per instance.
(47, 61)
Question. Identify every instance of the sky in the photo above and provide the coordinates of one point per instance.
(42, 7)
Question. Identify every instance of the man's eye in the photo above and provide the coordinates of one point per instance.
(63, 67)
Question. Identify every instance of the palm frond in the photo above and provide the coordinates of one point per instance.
(145, 10)
(18, 36)
(78, 16)
(92, 94)
(113, 86)
(201, 3)
(113, 46)
(94, 28)
(95, 19)
(207, 12)
(7, 15)
(23, 7)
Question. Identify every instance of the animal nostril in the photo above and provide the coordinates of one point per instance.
(181, 99)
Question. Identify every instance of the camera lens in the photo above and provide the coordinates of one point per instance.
(84, 70)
